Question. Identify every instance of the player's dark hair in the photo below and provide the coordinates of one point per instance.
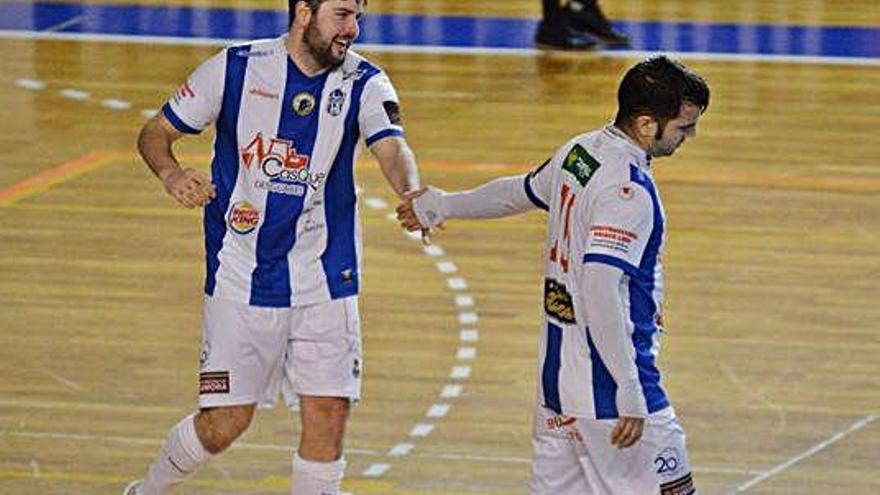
(313, 4)
(657, 87)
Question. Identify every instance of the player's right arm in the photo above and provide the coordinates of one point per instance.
(501, 197)
(186, 185)
(192, 108)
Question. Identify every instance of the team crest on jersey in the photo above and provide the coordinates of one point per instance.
(336, 100)
(243, 217)
(303, 103)
(580, 164)
(280, 160)
(558, 302)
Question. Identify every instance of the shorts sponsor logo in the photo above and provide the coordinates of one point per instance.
(613, 238)
(681, 486)
(356, 369)
(303, 103)
(557, 302)
(214, 382)
(580, 164)
(667, 462)
(243, 217)
(335, 102)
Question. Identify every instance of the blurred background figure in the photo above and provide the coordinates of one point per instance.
(576, 25)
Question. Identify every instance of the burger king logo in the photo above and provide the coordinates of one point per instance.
(243, 217)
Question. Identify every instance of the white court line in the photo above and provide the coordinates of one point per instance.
(464, 301)
(421, 430)
(115, 104)
(469, 335)
(75, 94)
(438, 411)
(460, 372)
(154, 442)
(467, 318)
(149, 113)
(33, 84)
(65, 24)
(376, 203)
(446, 267)
(456, 283)
(35, 467)
(376, 470)
(803, 455)
(64, 381)
(401, 450)
(451, 391)
(466, 353)
(433, 250)
(445, 50)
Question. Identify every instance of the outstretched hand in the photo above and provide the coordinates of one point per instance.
(406, 215)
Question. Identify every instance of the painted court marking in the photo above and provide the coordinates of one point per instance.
(766, 475)
(57, 175)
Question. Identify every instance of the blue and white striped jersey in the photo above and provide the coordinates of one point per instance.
(603, 208)
(284, 229)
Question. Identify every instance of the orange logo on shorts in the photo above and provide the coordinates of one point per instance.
(243, 217)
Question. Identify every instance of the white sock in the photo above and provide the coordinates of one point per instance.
(179, 458)
(316, 478)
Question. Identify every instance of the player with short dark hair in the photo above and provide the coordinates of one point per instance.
(603, 423)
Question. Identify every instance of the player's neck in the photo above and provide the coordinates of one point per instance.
(634, 137)
(301, 56)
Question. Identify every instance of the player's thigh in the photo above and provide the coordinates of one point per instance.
(557, 448)
(611, 470)
(671, 465)
(324, 357)
(242, 347)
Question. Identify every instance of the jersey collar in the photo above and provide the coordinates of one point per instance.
(641, 157)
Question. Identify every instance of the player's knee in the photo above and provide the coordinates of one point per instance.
(324, 421)
(218, 427)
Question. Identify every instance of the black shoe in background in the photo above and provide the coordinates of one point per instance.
(587, 16)
(561, 36)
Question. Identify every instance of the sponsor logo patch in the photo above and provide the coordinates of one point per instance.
(613, 238)
(335, 102)
(580, 164)
(557, 302)
(214, 382)
(280, 160)
(392, 109)
(681, 486)
(303, 103)
(243, 217)
(183, 93)
(667, 462)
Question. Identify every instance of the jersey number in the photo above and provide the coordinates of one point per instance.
(566, 202)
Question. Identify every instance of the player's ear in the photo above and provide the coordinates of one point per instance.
(646, 126)
(303, 14)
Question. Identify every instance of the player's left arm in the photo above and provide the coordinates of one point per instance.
(398, 163)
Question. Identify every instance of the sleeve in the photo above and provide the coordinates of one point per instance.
(197, 102)
(605, 320)
(620, 224)
(380, 110)
(539, 182)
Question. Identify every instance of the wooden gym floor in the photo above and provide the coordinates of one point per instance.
(774, 243)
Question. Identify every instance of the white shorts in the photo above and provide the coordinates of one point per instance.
(251, 353)
(574, 456)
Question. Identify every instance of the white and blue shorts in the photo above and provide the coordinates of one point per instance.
(250, 354)
(574, 456)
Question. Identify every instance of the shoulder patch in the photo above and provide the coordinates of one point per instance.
(580, 164)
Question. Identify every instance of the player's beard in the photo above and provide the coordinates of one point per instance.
(320, 49)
